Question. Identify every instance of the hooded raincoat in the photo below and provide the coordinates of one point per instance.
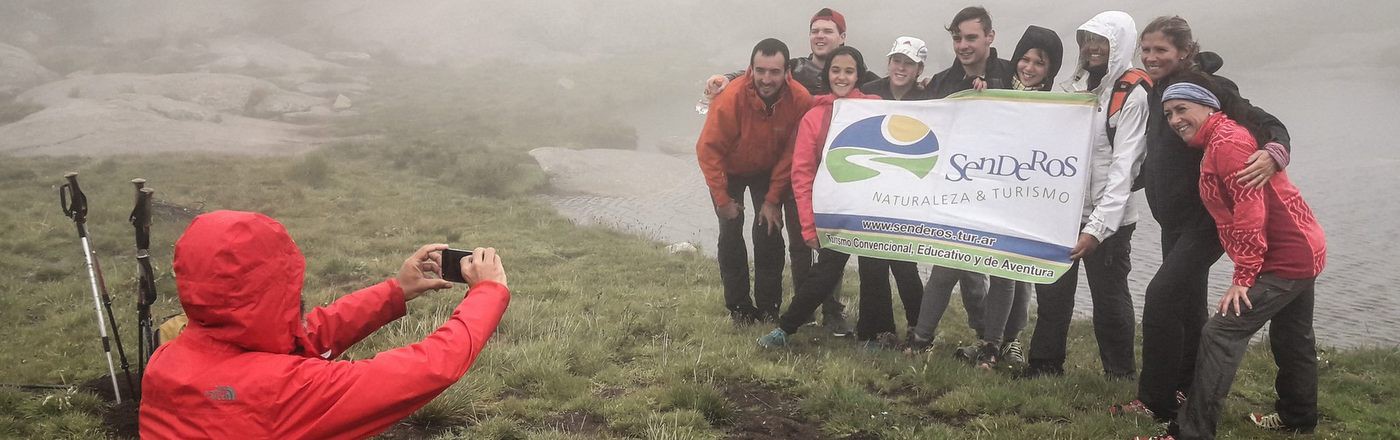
(1048, 42)
(1114, 163)
(250, 366)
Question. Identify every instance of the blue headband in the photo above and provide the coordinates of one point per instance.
(1191, 92)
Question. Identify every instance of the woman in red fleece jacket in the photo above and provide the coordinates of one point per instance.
(843, 75)
(1278, 249)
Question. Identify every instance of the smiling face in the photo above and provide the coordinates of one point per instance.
(769, 74)
(971, 43)
(1186, 117)
(842, 72)
(1160, 57)
(824, 37)
(904, 70)
(1032, 68)
(1093, 50)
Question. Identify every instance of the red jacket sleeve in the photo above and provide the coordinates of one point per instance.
(806, 155)
(356, 399)
(781, 181)
(717, 140)
(333, 329)
(1243, 236)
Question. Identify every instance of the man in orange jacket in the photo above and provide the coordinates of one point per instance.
(746, 144)
(250, 365)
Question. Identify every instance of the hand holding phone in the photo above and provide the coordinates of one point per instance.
(452, 264)
(471, 267)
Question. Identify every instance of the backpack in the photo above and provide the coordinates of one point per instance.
(1132, 79)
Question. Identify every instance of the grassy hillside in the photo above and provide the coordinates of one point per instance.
(607, 336)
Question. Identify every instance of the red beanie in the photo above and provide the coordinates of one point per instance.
(829, 14)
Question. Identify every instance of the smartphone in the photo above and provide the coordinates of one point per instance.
(452, 264)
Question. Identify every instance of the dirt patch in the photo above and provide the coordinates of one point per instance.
(122, 420)
(762, 413)
(578, 422)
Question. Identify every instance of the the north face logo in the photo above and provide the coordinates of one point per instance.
(220, 393)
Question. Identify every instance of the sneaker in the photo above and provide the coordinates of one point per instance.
(774, 339)
(837, 325)
(1011, 352)
(968, 352)
(1155, 437)
(988, 356)
(1035, 370)
(1270, 421)
(1130, 408)
(1180, 398)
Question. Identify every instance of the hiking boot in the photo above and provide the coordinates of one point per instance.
(1011, 352)
(1036, 370)
(988, 356)
(1155, 437)
(1134, 407)
(882, 341)
(914, 344)
(1180, 398)
(742, 317)
(774, 339)
(968, 352)
(837, 325)
(767, 317)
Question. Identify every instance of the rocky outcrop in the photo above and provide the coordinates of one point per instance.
(226, 93)
(19, 71)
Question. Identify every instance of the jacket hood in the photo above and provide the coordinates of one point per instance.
(1047, 41)
(1120, 30)
(240, 276)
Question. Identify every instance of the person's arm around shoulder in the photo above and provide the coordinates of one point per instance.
(1129, 149)
(1275, 149)
(333, 399)
(332, 329)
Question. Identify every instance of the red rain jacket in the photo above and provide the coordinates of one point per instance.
(808, 142)
(250, 366)
(742, 137)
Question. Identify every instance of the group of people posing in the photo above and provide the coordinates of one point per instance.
(1210, 162)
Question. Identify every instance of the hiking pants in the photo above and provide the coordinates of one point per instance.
(801, 257)
(996, 309)
(1020, 311)
(733, 256)
(1107, 269)
(939, 291)
(876, 307)
(1288, 307)
(820, 284)
(1172, 315)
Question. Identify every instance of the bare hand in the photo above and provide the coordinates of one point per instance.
(1086, 245)
(1258, 169)
(715, 84)
(814, 244)
(1233, 297)
(978, 84)
(484, 264)
(729, 211)
(772, 215)
(422, 272)
(923, 83)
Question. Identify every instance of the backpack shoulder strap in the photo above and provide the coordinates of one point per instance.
(1124, 87)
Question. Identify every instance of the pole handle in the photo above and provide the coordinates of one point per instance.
(141, 216)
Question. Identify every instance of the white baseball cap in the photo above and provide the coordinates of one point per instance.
(911, 47)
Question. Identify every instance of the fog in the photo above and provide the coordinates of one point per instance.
(1328, 70)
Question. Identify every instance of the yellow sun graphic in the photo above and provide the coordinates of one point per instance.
(904, 130)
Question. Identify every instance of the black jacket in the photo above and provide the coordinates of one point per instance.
(954, 79)
(881, 87)
(1172, 171)
(806, 72)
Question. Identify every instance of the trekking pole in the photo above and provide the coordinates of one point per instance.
(74, 204)
(146, 280)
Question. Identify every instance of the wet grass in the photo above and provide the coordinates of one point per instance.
(608, 336)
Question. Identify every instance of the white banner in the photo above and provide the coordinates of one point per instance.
(991, 182)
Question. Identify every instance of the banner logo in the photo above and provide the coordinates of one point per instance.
(895, 140)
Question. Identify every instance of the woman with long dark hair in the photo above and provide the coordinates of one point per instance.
(1174, 309)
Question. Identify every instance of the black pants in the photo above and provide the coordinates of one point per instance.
(876, 308)
(1173, 313)
(734, 256)
(1107, 269)
(1287, 305)
(801, 256)
(820, 284)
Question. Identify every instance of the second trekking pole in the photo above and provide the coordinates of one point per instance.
(74, 203)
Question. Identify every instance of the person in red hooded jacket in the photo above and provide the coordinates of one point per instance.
(250, 365)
